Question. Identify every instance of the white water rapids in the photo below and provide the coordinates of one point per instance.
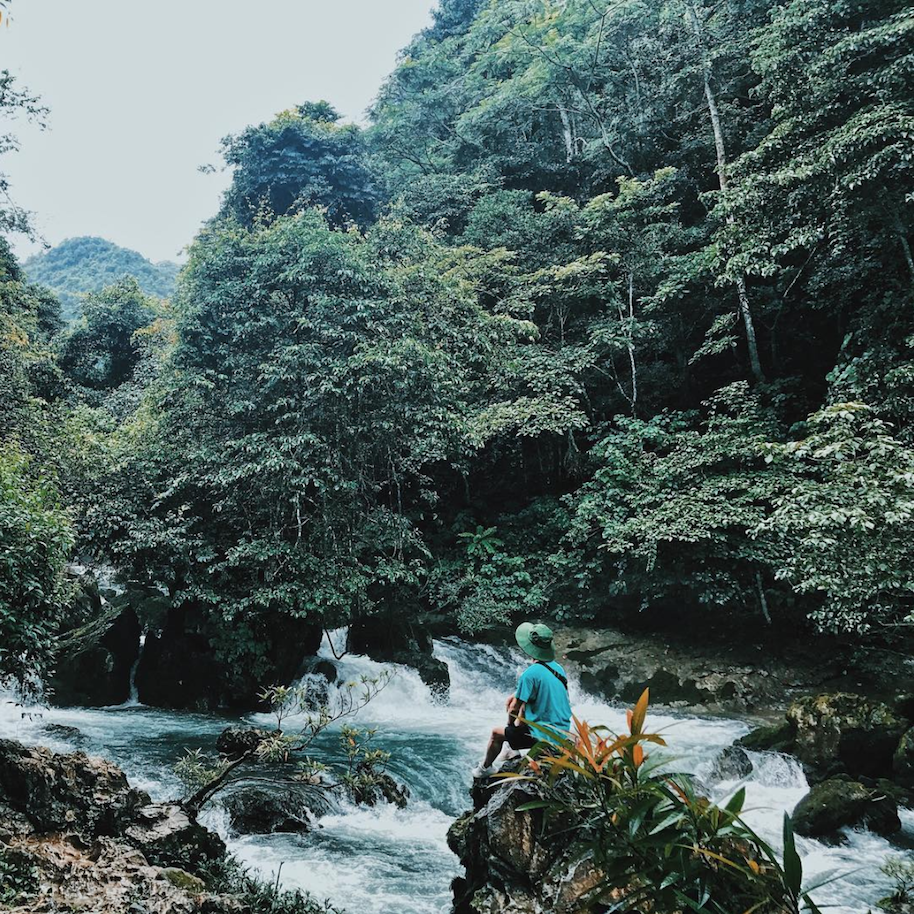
(389, 861)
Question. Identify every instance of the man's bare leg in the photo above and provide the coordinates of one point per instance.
(496, 741)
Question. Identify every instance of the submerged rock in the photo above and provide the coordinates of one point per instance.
(380, 787)
(839, 803)
(778, 737)
(732, 764)
(264, 810)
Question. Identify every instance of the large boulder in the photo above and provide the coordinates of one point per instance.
(265, 810)
(180, 667)
(845, 733)
(93, 662)
(400, 639)
(839, 803)
(73, 793)
(778, 737)
(514, 863)
(44, 792)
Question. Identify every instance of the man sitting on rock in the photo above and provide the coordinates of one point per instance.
(541, 697)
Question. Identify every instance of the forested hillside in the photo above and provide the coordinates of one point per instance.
(608, 311)
(80, 265)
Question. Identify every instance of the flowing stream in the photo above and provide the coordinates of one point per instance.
(388, 861)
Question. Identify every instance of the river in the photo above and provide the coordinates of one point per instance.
(390, 861)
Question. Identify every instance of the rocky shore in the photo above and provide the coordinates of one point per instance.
(75, 836)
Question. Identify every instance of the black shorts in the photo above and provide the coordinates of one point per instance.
(520, 737)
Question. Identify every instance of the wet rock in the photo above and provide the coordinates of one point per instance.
(234, 742)
(732, 764)
(397, 639)
(13, 823)
(263, 811)
(72, 793)
(839, 803)
(845, 733)
(96, 844)
(778, 737)
(167, 836)
(93, 662)
(63, 732)
(381, 787)
(903, 760)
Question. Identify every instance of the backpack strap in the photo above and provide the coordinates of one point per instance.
(555, 673)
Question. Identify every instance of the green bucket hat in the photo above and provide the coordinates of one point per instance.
(535, 639)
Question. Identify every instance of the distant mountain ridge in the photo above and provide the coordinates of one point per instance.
(88, 264)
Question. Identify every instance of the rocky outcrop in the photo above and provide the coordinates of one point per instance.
(86, 797)
(840, 803)
(398, 639)
(91, 842)
(181, 669)
(620, 665)
(93, 662)
(845, 734)
(685, 665)
(514, 865)
(841, 734)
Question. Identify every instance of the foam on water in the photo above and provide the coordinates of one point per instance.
(384, 860)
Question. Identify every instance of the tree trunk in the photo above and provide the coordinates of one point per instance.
(714, 112)
(631, 345)
(567, 133)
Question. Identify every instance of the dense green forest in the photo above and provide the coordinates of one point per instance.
(80, 265)
(607, 311)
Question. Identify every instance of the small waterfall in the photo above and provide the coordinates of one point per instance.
(134, 699)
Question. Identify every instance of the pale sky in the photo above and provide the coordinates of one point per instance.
(141, 93)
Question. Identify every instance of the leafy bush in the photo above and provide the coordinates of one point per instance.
(901, 872)
(35, 541)
(18, 878)
(230, 877)
(652, 834)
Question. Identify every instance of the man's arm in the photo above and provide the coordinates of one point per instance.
(515, 708)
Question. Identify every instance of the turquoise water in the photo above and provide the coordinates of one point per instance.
(390, 861)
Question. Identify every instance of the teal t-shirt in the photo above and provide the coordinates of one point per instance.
(545, 697)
